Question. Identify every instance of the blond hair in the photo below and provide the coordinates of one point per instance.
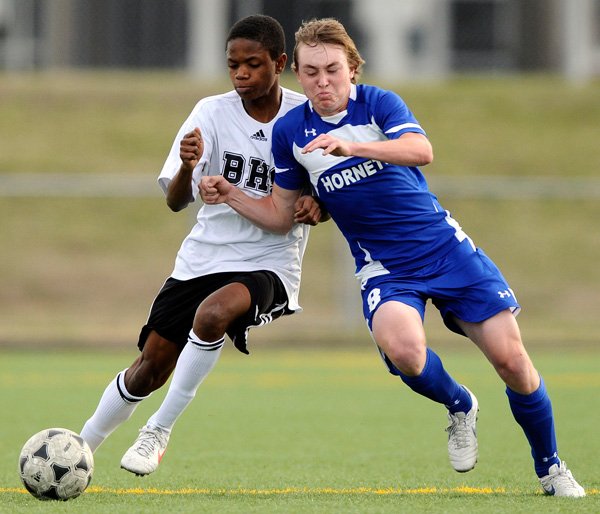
(328, 31)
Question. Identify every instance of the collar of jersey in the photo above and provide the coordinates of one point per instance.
(336, 118)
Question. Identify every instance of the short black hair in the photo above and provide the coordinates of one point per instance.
(263, 29)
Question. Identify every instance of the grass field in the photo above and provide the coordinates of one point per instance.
(304, 431)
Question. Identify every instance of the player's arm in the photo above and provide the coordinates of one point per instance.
(410, 149)
(179, 193)
(274, 213)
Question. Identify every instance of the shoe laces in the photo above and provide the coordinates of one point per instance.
(147, 441)
(563, 476)
(458, 430)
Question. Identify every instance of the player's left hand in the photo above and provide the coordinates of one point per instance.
(330, 145)
(307, 210)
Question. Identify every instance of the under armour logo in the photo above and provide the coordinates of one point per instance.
(504, 294)
(311, 132)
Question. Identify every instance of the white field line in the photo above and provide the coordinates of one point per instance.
(136, 185)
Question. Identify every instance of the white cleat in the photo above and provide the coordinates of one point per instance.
(147, 451)
(462, 437)
(560, 482)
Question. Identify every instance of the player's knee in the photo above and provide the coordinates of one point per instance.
(408, 358)
(513, 368)
(211, 321)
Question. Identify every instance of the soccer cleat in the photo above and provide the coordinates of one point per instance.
(145, 454)
(560, 482)
(462, 437)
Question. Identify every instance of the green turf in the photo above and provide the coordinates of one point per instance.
(304, 431)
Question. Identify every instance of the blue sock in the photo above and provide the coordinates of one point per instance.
(534, 413)
(436, 384)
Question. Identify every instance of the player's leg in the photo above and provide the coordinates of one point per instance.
(198, 358)
(123, 394)
(499, 339)
(160, 342)
(471, 287)
(235, 302)
(153, 367)
(398, 331)
(214, 315)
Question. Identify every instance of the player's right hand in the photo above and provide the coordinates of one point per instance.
(191, 148)
(307, 210)
(214, 189)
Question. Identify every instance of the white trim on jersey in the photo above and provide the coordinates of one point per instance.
(404, 126)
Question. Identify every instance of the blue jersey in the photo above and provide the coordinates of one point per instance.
(391, 220)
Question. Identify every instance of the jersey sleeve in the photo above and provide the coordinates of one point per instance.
(197, 118)
(394, 117)
(289, 174)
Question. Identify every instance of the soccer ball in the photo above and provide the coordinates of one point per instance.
(56, 464)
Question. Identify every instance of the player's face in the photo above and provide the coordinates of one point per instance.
(252, 71)
(325, 76)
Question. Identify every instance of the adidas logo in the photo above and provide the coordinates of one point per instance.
(259, 136)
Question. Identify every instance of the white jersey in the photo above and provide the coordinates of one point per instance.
(238, 147)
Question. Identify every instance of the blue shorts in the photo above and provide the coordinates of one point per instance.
(465, 283)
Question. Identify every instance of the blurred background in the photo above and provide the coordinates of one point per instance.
(399, 38)
(92, 93)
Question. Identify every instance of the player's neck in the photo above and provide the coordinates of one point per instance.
(265, 108)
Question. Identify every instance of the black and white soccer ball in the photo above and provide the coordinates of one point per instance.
(56, 464)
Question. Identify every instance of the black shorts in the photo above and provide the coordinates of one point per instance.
(173, 310)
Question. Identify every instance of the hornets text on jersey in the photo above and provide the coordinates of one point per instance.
(391, 220)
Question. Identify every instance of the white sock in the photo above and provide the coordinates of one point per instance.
(115, 407)
(195, 362)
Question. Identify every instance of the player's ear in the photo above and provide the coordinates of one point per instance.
(280, 63)
(352, 75)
